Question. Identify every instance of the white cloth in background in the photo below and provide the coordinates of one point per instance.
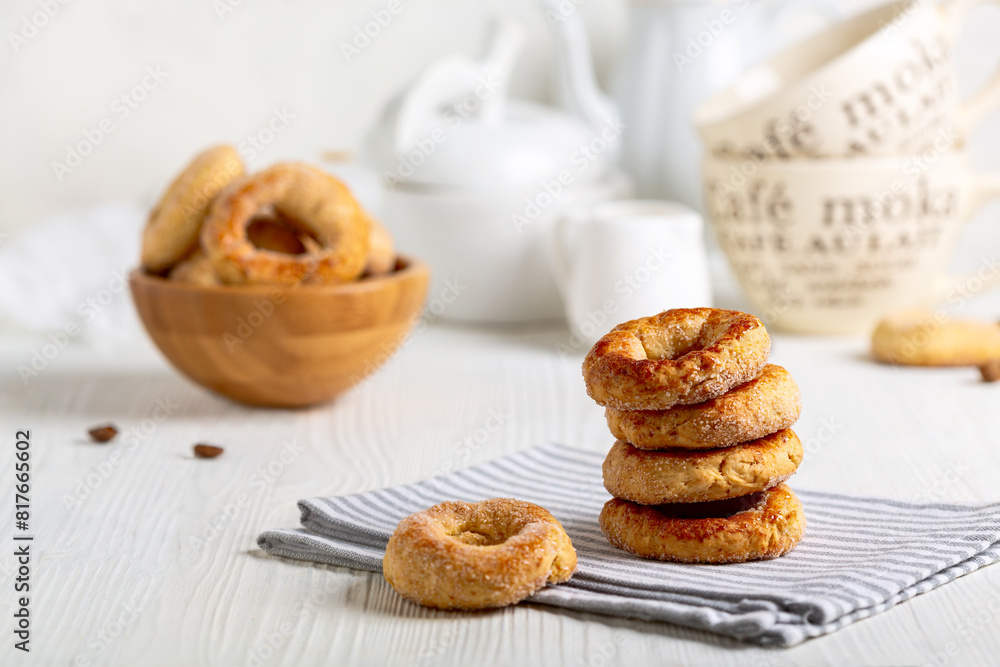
(73, 270)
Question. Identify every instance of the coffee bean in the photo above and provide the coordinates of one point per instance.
(203, 451)
(103, 433)
(990, 370)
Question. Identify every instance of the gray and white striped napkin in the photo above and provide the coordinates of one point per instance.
(859, 556)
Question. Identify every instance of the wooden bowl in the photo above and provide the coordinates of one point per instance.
(281, 346)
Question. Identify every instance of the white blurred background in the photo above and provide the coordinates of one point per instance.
(229, 64)
(226, 67)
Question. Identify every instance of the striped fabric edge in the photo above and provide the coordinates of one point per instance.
(298, 545)
(762, 626)
(914, 563)
(358, 513)
(303, 545)
(930, 544)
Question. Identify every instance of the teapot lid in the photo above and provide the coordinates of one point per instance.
(531, 144)
(455, 129)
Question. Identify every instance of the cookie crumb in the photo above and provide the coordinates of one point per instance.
(203, 451)
(990, 370)
(103, 433)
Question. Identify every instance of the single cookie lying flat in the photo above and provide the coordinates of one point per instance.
(493, 553)
(921, 338)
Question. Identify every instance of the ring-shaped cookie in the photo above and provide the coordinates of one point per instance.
(319, 204)
(197, 269)
(685, 476)
(922, 338)
(764, 525)
(678, 357)
(381, 250)
(764, 405)
(172, 230)
(492, 553)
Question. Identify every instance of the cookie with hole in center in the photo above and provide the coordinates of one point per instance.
(654, 477)
(766, 404)
(758, 526)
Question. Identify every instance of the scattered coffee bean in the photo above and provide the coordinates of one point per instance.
(203, 451)
(990, 370)
(103, 433)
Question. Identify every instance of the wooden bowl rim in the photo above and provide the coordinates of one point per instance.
(411, 267)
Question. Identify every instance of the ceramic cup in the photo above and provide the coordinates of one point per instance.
(881, 83)
(621, 260)
(829, 246)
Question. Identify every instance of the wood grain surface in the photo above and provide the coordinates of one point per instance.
(147, 556)
(277, 346)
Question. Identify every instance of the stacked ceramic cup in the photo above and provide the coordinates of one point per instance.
(836, 181)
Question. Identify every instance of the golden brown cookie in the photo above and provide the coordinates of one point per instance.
(317, 203)
(272, 231)
(759, 526)
(381, 250)
(679, 357)
(492, 553)
(921, 338)
(762, 406)
(651, 477)
(172, 230)
(196, 269)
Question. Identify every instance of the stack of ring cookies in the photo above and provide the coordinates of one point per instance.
(289, 224)
(703, 439)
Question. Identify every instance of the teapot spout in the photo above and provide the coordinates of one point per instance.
(576, 85)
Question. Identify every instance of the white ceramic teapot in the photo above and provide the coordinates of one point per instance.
(677, 53)
(474, 179)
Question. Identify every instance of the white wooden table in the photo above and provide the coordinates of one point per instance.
(144, 555)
